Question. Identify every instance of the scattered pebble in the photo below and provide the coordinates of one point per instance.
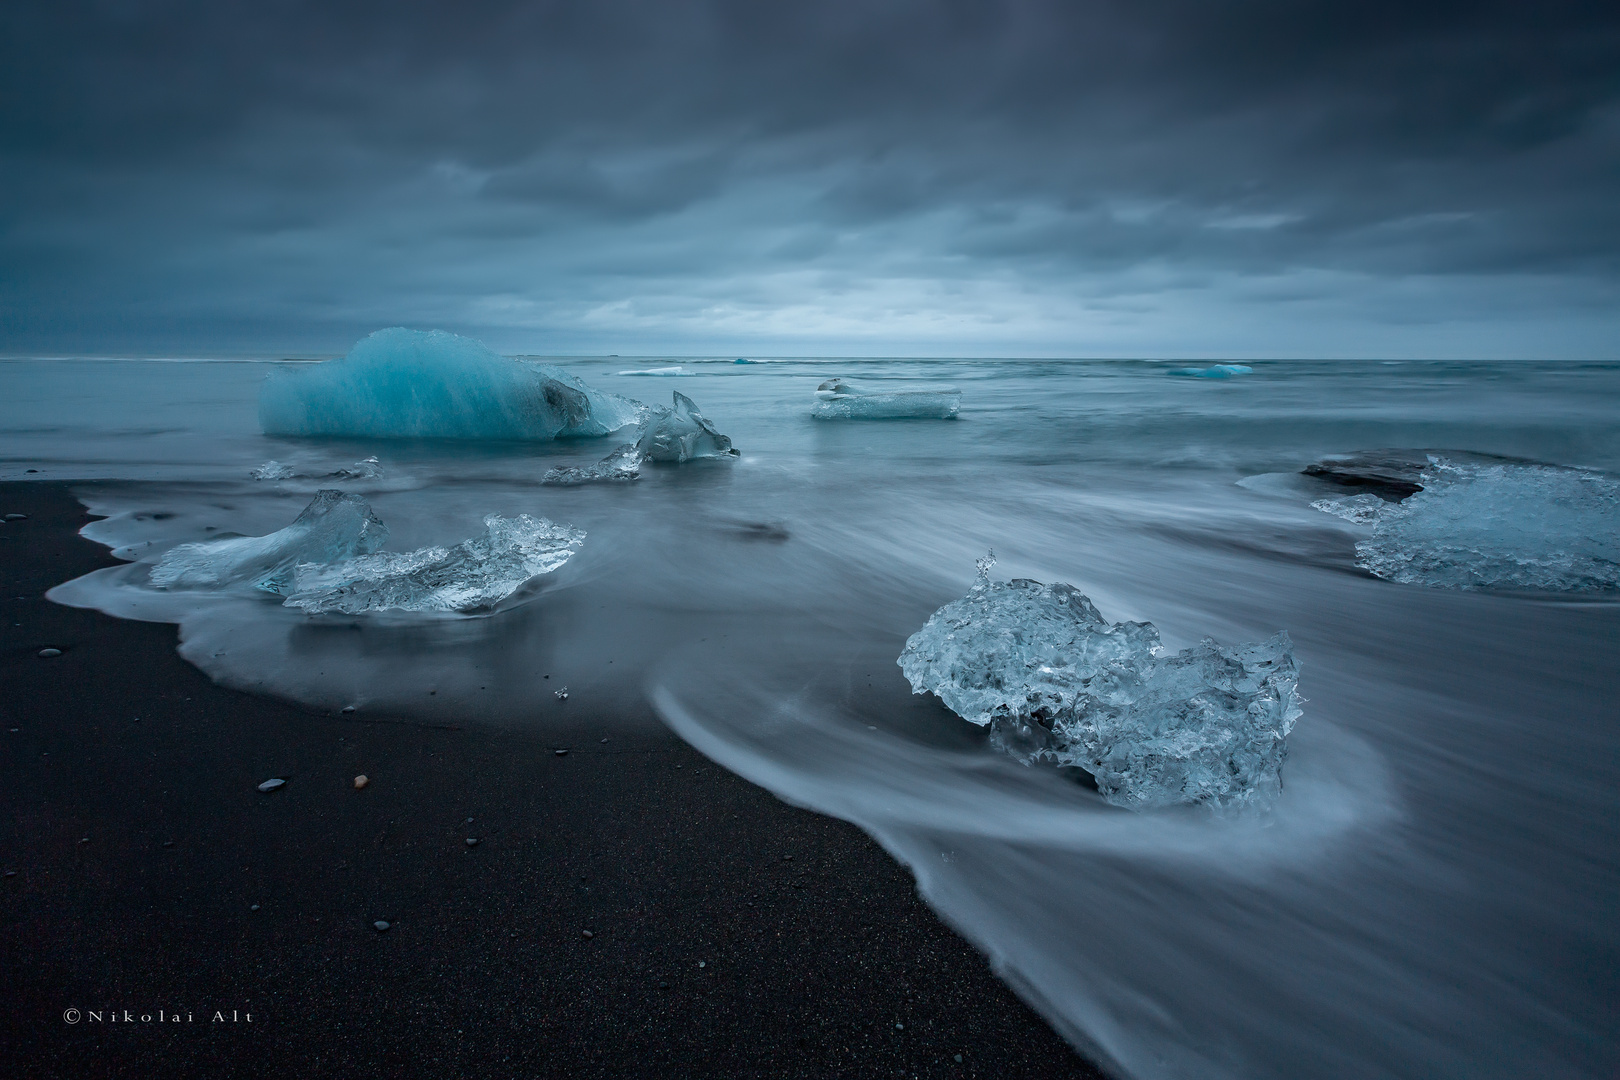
(381, 925)
(84, 839)
(18, 517)
(361, 781)
(561, 753)
(469, 821)
(604, 740)
(587, 934)
(168, 843)
(562, 695)
(787, 858)
(662, 985)
(702, 964)
(11, 873)
(253, 907)
(271, 785)
(899, 1027)
(348, 708)
(48, 653)
(958, 1058)
(472, 841)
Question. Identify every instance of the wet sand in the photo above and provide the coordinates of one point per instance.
(731, 934)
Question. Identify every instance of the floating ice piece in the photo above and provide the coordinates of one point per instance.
(666, 371)
(369, 469)
(333, 526)
(401, 383)
(475, 574)
(274, 470)
(681, 434)
(624, 463)
(839, 399)
(740, 360)
(1498, 526)
(1218, 371)
(1054, 680)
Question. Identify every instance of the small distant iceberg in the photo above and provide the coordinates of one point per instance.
(333, 527)
(274, 470)
(369, 469)
(681, 433)
(1489, 525)
(1053, 680)
(476, 574)
(840, 399)
(399, 384)
(741, 360)
(675, 371)
(1218, 371)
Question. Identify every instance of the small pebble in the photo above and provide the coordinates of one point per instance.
(899, 1027)
(253, 907)
(560, 753)
(18, 517)
(604, 740)
(472, 841)
(469, 821)
(381, 925)
(587, 933)
(702, 964)
(361, 781)
(84, 839)
(168, 843)
(11, 873)
(348, 708)
(48, 653)
(662, 985)
(959, 1058)
(271, 785)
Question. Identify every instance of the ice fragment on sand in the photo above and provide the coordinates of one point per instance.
(839, 399)
(273, 470)
(476, 573)
(1054, 680)
(1217, 371)
(401, 383)
(681, 433)
(333, 526)
(624, 463)
(1502, 526)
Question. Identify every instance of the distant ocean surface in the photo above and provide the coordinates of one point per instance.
(1435, 894)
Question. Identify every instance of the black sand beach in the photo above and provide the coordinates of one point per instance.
(146, 876)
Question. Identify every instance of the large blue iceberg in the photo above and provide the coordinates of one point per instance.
(1052, 679)
(403, 384)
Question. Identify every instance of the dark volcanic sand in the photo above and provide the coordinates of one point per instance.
(810, 962)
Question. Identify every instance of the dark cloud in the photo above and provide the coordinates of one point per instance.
(909, 172)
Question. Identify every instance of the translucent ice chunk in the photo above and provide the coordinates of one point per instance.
(369, 469)
(476, 573)
(839, 399)
(273, 470)
(1358, 509)
(1054, 680)
(333, 526)
(1216, 371)
(624, 463)
(675, 370)
(681, 434)
(402, 383)
(1503, 526)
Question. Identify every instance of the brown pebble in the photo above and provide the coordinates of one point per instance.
(361, 781)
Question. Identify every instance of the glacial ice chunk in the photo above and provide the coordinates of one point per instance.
(332, 527)
(1216, 371)
(401, 383)
(681, 434)
(274, 470)
(1496, 526)
(1357, 509)
(675, 370)
(1054, 680)
(475, 574)
(624, 463)
(840, 399)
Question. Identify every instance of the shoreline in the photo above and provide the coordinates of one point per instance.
(139, 848)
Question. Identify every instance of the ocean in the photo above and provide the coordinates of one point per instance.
(1434, 892)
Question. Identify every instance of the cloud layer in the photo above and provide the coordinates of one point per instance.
(1171, 177)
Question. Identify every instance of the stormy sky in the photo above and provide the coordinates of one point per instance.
(882, 177)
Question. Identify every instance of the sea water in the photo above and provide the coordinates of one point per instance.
(1431, 894)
